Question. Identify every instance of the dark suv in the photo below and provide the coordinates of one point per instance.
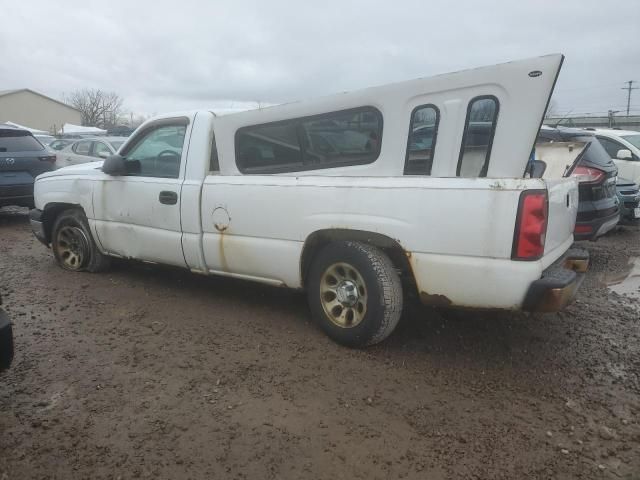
(598, 209)
(22, 159)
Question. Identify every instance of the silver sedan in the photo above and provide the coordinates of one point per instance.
(88, 150)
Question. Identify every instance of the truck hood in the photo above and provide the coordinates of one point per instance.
(80, 169)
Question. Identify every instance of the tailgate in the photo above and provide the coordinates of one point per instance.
(563, 208)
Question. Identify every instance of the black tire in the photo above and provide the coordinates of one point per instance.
(71, 237)
(375, 283)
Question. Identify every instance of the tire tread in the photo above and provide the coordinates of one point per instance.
(391, 288)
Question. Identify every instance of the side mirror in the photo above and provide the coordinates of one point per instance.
(624, 154)
(103, 154)
(537, 168)
(115, 165)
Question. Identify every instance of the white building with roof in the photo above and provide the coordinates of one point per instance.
(34, 110)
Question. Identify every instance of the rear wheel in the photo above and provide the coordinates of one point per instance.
(354, 293)
(73, 246)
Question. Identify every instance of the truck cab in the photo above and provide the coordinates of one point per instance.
(359, 199)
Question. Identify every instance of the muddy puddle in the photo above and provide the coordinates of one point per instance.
(626, 282)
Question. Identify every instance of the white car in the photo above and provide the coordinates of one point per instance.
(623, 146)
(333, 196)
(45, 139)
(88, 150)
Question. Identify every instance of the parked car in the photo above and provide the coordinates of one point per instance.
(623, 146)
(60, 143)
(6, 339)
(629, 196)
(22, 158)
(120, 131)
(598, 211)
(246, 195)
(88, 150)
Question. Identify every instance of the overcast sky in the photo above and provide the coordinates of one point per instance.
(170, 55)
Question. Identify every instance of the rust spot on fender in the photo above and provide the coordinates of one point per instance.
(223, 257)
(220, 227)
(435, 300)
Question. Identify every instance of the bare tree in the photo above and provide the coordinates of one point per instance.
(99, 108)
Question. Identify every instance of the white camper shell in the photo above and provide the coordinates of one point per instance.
(358, 198)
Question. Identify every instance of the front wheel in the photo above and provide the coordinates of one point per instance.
(354, 293)
(73, 246)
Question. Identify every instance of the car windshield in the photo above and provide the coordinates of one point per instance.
(18, 141)
(116, 144)
(633, 140)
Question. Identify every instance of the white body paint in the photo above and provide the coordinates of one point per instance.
(457, 232)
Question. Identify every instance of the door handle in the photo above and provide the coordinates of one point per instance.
(168, 198)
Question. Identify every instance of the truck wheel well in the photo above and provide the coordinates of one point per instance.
(398, 256)
(51, 212)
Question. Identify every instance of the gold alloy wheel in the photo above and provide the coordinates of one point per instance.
(72, 247)
(343, 295)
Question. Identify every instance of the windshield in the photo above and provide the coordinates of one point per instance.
(116, 145)
(18, 141)
(633, 140)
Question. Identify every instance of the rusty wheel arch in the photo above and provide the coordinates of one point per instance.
(318, 239)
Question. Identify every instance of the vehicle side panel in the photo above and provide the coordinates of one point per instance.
(256, 226)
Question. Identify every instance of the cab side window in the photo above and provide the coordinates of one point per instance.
(158, 152)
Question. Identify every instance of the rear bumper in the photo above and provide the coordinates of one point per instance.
(16, 188)
(559, 283)
(595, 228)
(37, 226)
(629, 202)
(6, 341)
(19, 195)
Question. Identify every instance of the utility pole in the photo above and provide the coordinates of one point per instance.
(628, 89)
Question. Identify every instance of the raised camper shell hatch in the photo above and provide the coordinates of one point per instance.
(522, 90)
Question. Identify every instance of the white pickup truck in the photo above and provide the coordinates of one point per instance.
(358, 198)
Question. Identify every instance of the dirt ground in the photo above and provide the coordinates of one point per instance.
(149, 372)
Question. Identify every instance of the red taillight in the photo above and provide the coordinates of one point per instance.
(531, 225)
(588, 174)
(48, 158)
(583, 229)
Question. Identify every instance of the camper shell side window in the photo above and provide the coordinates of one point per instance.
(423, 133)
(477, 139)
(337, 139)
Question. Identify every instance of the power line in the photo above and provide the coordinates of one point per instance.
(628, 89)
(589, 87)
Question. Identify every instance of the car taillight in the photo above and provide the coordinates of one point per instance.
(583, 229)
(531, 225)
(588, 174)
(48, 158)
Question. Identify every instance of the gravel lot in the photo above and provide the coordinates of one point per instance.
(153, 372)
